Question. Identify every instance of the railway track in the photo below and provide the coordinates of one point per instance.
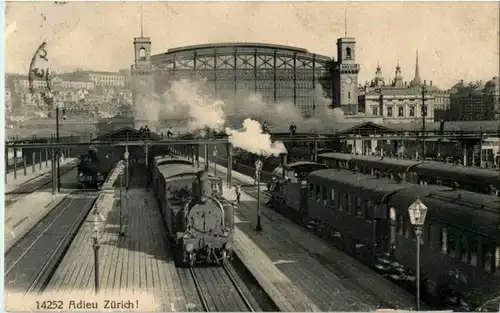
(30, 262)
(33, 185)
(217, 289)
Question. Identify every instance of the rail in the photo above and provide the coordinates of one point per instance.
(203, 300)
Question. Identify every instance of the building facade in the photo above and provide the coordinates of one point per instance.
(398, 101)
(475, 101)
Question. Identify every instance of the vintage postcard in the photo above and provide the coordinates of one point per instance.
(252, 156)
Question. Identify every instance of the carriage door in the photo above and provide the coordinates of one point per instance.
(304, 197)
(381, 227)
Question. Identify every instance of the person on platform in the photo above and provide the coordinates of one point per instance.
(265, 128)
(170, 132)
(293, 129)
(238, 193)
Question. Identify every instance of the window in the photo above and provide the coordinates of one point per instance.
(349, 95)
(464, 249)
(341, 201)
(412, 111)
(324, 195)
(332, 197)
(451, 244)
(389, 111)
(375, 110)
(488, 257)
(311, 190)
(142, 54)
(359, 207)
(317, 191)
(400, 224)
(348, 199)
(348, 53)
(401, 111)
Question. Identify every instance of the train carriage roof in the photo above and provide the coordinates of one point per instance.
(303, 166)
(473, 211)
(336, 156)
(385, 163)
(168, 159)
(172, 170)
(457, 172)
(369, 186)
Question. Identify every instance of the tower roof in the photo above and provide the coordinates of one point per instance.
(416, 81)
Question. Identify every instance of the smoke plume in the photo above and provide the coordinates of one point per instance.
(241, 115)
(251, 138)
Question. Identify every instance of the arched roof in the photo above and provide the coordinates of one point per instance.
(240, 49)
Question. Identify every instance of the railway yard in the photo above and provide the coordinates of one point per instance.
(50, 256)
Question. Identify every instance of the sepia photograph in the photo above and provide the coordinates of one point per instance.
(251, 156)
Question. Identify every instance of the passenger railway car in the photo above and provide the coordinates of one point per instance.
(367, 216)
(199, 227)
(480, 180)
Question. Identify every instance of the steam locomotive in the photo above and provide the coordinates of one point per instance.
(200, 228)
(367, 216)
(92, 169)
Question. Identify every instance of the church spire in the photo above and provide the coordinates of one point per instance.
(416, 80)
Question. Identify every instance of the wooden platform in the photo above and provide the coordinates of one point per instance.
(137, 266)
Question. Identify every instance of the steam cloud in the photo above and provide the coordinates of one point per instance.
(241, 116)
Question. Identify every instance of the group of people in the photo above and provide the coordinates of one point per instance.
(292, 128)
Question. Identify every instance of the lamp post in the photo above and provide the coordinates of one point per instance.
(215, 160)
(417, 212)
(126, 155)
(96, 245)
(258, 169)
(122, 167)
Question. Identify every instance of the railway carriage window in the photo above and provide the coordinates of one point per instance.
(348, 200)
(443, 240)
(488, 257)
(400, 224)
(311, 190)
(324, 195)
(473, 251)
(341, 204)
(359, 207)
(332, 198)
(497, 260)
(406, 227)
(452, 244)
(464, 248)
(317, 191)
(428, 232)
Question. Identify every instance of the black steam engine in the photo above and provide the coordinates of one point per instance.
(199, 226)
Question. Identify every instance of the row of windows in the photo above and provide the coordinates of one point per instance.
(343, 201)
(468, 248)
(400, 111)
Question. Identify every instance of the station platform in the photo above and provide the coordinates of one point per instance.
(137, 266)
(40, 170)
(332, 280)
(23, 214)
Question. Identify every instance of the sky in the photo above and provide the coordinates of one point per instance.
(455, 40)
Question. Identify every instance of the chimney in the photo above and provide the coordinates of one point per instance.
(406, 84)
(431, 83)
(201, 186)
(425, 82)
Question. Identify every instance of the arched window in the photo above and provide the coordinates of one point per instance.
(348, 52)
(142, 54)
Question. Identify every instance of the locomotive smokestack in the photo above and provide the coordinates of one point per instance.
(201, 186)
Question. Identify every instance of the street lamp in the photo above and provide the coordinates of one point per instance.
(122, 167)
(258, 169)
(126, 155)
(417, 212)
(215, 160)
(95, 244)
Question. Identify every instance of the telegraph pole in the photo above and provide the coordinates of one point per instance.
(424, 115)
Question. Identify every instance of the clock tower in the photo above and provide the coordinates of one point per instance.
(346, 76)
(143, 83)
